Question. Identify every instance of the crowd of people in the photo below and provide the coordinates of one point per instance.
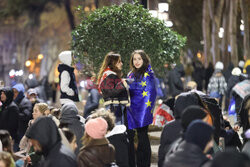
(34, 134)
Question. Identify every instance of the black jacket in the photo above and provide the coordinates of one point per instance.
(72, 83)
(92, 102)
(113, 89)
(9, 114)
(45, 131)
(187, 155)
(25, 112)
(174, 80)
(170, 133)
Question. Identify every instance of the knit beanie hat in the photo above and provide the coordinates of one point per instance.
(236, 71)
(191, 113)
(96, 128)
(199, 133)
(219, 65)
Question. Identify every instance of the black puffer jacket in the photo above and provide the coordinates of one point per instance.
(99, 153)
(45, 131)
(187, 155)
(9, 114)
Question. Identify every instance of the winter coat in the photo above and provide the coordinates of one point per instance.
(208, 73)
(228, 72)
(187, 155)
(92, 102)
(243, 114)
(45, 131)
(170, 133)
(113, 89)
(232, 81)
(217, 83)
(174, 80)
(9, 114)
(97, 154)
(70, 119)
(67, 79)
(25, 112)
(198, 74)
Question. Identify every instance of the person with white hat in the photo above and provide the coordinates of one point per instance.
(68, 88)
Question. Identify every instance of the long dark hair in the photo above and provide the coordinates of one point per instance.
(146, 61)
(110, 60)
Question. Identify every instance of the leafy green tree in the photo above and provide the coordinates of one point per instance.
(124, 29)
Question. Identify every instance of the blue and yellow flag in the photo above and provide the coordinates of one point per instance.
(143, 96)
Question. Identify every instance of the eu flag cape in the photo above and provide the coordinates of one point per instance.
(143, 96)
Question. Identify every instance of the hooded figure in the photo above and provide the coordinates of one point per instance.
(191, 152)
(46, 140)
(25, 109)
(9, 112)
(67, 79)
(71, 120)
(175, 82)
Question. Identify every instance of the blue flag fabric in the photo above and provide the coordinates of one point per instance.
(143, 94)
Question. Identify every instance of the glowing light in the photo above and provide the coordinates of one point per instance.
(169, 23)
(27, 63)
(12, 73)
(199, 55)
(153, 13)
(19, 73)
(40, 56)
(163, 7)
(242, 27)
(30, 76)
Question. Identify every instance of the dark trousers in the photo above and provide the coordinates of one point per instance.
(143, 152)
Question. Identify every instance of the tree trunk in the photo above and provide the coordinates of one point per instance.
(215, 15)
(233, 31)
(206, 32)
(244, 14)
(70, 15)
(224, 43)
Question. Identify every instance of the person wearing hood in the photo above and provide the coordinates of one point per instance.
(9, 114)
(25, 109)
(175, 81)
(217, 84)
(45, 138)
(68, 88)
(192, 152)
(69, 118)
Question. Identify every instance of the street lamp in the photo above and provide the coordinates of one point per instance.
(162, 14)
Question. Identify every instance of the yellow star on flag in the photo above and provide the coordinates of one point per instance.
(143, 83)
(144, 93)
(148, 103)
(146, 74)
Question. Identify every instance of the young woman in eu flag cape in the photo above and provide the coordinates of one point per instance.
(143, 96)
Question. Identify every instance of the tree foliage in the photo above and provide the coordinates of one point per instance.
(124, 29)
